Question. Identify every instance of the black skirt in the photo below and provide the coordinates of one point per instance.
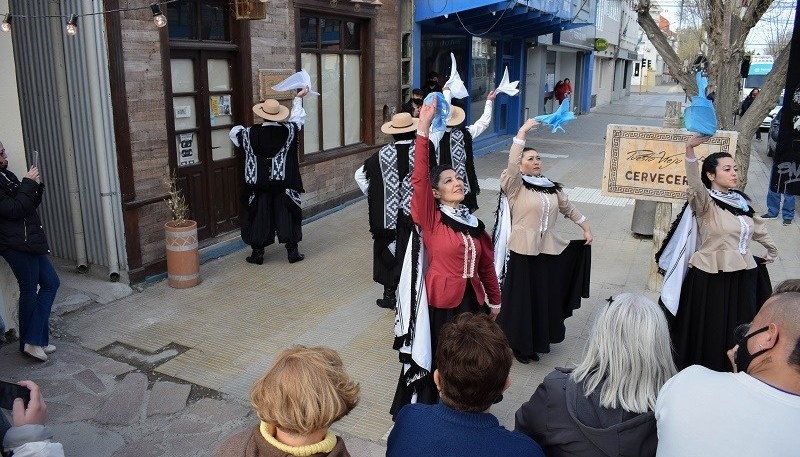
(271, 213)
(426, 390)
(539, 293)
(711, 306)
(384, 263)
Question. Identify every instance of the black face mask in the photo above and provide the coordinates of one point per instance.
(743, 357)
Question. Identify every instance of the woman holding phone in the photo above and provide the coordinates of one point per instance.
(23, 244)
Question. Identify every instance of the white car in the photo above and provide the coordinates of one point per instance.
(774, 112)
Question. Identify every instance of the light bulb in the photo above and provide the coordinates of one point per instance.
(6, 27)
(72, 25)
(158, 17)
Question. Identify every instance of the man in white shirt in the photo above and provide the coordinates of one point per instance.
(755, 411)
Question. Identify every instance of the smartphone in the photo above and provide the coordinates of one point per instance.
(10, 391)
(35, 161)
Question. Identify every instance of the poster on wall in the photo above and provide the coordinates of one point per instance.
(187, 149)
(270, 77)
(646, 163)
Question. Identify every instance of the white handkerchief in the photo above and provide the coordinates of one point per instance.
(298, 80)
(455, 84)
(507, 87)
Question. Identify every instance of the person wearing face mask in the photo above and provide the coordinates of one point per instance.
(23, 244)
(414, 103)
(724, 285)
(544, 276)
(432, 84)
(459, 277)
(754, 411)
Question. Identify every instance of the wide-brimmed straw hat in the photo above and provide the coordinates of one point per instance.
(400, 123)
(271, 110)
(457, 116)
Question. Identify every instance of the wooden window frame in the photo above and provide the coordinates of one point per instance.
(367, 93)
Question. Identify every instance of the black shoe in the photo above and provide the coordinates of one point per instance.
(787, 222)
(535, 357)
(293, 254)
(257, 257)
(768, 216)
(389, 299)
(522, 359)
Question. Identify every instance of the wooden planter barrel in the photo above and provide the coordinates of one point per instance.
(183, 257)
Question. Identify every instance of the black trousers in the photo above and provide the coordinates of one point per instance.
(272, 213)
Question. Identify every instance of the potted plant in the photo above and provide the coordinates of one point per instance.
(183, 257)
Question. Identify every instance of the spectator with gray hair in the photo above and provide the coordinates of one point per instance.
(604, 406)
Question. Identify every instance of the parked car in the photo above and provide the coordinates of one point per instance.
(765, 124)
(772, 137)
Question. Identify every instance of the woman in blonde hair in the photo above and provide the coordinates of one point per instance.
(604, 407)
(305, 391)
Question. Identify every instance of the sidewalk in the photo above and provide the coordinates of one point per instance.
(165, 372)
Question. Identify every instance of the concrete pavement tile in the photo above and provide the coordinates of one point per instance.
(185, 425)
(192, 445)
(167, 398)
(217, 411)
(83, 439)
(139, 449)
(112, 367)
(90, 380)
(124, 405)
(61, 413)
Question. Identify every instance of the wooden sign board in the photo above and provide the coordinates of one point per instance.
(270, 77)
(647, 163)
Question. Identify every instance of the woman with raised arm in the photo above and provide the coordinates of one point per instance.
(545, 275)
(460, 274)
(723, 286)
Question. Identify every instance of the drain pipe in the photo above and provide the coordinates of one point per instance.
(69, 148)
(91, 39)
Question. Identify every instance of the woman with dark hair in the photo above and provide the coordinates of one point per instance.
(723, 286)
(23, 244)
(545, 276)
(460, 274)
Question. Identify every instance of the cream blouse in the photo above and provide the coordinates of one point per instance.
(722, 235)
(534, 214)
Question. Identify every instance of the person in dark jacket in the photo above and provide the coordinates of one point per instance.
(24, 246)
(604, 407)
(751, 97)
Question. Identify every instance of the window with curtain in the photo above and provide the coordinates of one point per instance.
(330, 51)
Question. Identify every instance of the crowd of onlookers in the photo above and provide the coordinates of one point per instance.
(623, 399)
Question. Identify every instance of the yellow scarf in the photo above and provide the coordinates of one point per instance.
(323, 447)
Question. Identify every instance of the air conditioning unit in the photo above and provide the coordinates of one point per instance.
(250, 9)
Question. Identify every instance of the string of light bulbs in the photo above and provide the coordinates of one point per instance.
(71, 28)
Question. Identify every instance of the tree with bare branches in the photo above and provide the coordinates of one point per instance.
(727, 24)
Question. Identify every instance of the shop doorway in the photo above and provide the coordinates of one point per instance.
(208, 171)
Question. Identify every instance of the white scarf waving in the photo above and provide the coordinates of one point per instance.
(414, 327)
(675, 259)
(500, 236)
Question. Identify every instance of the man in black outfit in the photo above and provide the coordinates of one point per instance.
(413, 105)
(432, 84)
(273, 185)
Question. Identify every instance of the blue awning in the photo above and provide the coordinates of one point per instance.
(496, 19)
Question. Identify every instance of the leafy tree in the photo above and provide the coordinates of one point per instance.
(726, 31)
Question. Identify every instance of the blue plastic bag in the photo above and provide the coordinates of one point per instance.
(558, 118)
(439, 123)
(700, 116)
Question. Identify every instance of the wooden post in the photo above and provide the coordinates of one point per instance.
(672, 119)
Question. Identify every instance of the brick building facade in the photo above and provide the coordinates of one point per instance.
(204, 64)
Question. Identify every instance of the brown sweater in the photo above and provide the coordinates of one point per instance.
(250, 443)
